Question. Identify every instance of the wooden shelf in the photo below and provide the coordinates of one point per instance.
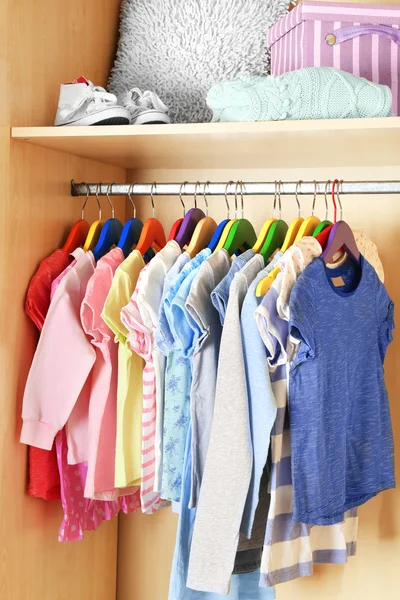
(350, 142)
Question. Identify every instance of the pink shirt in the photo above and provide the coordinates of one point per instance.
(103, 395)
(59, 381)
(139, 339)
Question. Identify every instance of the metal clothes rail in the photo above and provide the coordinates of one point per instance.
(284, 188)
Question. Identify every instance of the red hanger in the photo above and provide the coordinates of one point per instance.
(322, 237)
(79, 231)
(152, 232)
(174, 229)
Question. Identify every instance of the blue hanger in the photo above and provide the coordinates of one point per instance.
(132, 229)
(220, 228)
(110, 233)
(217, 235)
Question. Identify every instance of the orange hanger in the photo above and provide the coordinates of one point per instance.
(95, 228)
(204, 230)
(152, 232)
(79, 230)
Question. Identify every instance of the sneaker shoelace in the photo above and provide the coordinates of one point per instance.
(94, 96)
(136, 102)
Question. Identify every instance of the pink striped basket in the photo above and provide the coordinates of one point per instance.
(363, 39)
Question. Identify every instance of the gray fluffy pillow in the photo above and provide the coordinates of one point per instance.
(180, 48)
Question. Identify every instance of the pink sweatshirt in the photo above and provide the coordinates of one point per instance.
(59, 381)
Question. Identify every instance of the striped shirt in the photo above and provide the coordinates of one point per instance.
(291, 549)
(141, 343)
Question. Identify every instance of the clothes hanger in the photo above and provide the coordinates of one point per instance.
(204, 229)
(262, 236)
(310, 223)
(189, 222)
(79, 230)
(265, 284)
(341, 236)
(176, 226)
(325, 223)
(294, 226)
(110, 233)
(242, 234)
(322, 237)
(132, 229)
(229, 225)
(152, 232)
(221, 227)
(95, 228)
(277, 233)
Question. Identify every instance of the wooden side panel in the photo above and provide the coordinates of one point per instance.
(42, 44)
(38, 214)
(146, 542)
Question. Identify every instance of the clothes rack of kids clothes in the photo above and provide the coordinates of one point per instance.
(235, 374)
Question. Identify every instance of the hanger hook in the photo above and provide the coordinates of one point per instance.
(314, 199)
(279, 198)
(131, 189)
(336, 181)
(339, 186)
(196, 185)
(297, 200)
(226, 198)
(180, 197)
(241, 197)
(153, 185)
(275, 196)
(207, 183)
(327, 184)
(182, 187)
(85, 202)
(109, 189)
(98, 190)
(236, 194)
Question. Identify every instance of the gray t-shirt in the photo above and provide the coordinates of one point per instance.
(229, 461)
(207, 332)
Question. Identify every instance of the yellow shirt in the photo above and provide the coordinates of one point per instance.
(130, 375)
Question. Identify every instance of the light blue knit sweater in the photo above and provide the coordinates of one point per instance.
(311, 93)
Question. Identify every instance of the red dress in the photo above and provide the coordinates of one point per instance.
(44, 478)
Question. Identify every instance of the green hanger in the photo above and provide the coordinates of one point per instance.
(320, 227)
(275, 238)
(324, 224)
(242, 232)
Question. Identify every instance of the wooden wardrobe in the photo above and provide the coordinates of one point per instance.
(42, 44)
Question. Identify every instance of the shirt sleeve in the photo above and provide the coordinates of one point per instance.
(223, 492)
(301, 320)
(385, 318)
(118, 296)
(62, 363)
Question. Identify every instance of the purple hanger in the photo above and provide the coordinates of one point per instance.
(340, 236)
(190, 220)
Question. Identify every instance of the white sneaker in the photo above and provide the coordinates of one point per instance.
(82, 103)
(145, 108)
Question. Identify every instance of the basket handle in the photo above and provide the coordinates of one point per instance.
(348, 33)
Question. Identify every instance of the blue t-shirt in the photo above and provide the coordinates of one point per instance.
(342, 441)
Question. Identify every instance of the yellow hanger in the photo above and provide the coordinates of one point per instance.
(310, 223)
(265, 284)
(228, 226)
(204, 229)
(294, 226)
(263, 235)
(95, 228)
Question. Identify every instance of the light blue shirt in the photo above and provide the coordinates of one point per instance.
(163, 337)
(177, 383)
(262, 405)
(220, 294)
